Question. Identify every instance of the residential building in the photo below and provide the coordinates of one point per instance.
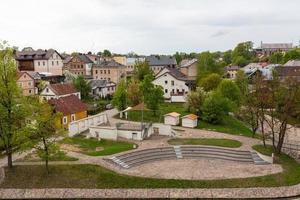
(173, 82)
(94, 58)
(292, 63)
(120, 59)
(109, 70)
(230, 71)
(48, 62)
(190, 121)
(102, 88)
(26, 83)
(172, 118)
(71, 107)
(79, 64)
(267, 49)
(189, 68)
(55, 91)
(130, 63)
(265, 69)
(288, 72)
(158, 62)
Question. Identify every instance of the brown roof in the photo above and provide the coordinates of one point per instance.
(68, 105)
(173, 114)
(39, 54)
(287, 71)
(62, 89)
(277, 45)
(191, 116)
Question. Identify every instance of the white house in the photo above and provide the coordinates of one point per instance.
(158, 62)
(173, 82)
(42, 61)
(55, 91)
(102, 88)
(172, 118)
(190, 121)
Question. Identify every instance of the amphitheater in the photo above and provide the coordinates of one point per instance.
(193, 162)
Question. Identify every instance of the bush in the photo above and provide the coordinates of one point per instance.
(230, 90)
(210, 82)
(214, 108)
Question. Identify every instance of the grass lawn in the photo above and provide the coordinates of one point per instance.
(206, 141)
(268, 150)
(92, 176)
(230, 124)
(93, 147)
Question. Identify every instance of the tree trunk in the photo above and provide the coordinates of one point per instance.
(46, 155)
(263, 132)
(9, 158)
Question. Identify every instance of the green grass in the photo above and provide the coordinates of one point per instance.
(206, 141)
(92, 176)
(107, 147)
(268, 150)
(229, 125)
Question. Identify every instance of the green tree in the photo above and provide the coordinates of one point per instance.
(240, 61)
(44, 130)
(276, 58)
(106, 53)
(155, 99)
(230, 90)
(120, 96)
(195, 100)
(207, 65)
(227, 57)
(141, 69)
(134, 93)
(243, 54)
(82, 86)
(12, 105)
(293, 54)
(241, 81)
(210, 82)
(215, 108)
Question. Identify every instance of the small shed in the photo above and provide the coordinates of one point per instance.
(172, 118)
(190, 121)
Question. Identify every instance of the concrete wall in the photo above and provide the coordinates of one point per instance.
(180, 99)
(163, 129)
(109, 133)
(128, 134)
(84, 124)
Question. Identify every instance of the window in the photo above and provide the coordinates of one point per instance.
(43, 63)
(47, 90)
(39, 63)
(172, 83)
(108, 79)
(100, 71)
(108, 71)
(29, 83)
(108, 88)
(65, 120)
(81, 66)
(104, 71)
(52, 63)
(56, 62)
(29, 91)
(96, 71)
(166, 91)
(73, 117)
(166, 82)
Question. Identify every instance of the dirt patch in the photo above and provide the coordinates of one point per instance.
(99, 149)
(69, 147)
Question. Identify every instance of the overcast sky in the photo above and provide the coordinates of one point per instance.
(147, 26)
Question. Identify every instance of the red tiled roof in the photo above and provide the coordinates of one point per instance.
(62, 89)
(68, 105)
(191, 116)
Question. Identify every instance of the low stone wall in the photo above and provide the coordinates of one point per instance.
(239, 193)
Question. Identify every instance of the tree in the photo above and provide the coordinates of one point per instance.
(230, 90)
(44, 131)
(155, 98)
(120, 96)
(106, 53)
(227, 57)
(243, 54)
(195, 100)
(214, 108)
(210, 82)
(293, 54)
(276, 58)
(134, 93)
(207, 65)
(141, 69)
(82, 86)
(12, 106)
(241, 81)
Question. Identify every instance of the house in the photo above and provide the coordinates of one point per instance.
(190, 121)
(55, 91)
(158, 62)
(79, 64)
(189, 68)
(267, 49)
(288, 72)
(120, 59)
(265, 69)
(173, 82)
(102, 88)
(292, 63)
(26, 83)
(71, 107)
(172, 118)
(230, 71)
(109, 70)
(94, 58)
(130, 63)
(42, 61)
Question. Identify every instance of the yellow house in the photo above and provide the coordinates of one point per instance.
(120, 59)
(71, 107)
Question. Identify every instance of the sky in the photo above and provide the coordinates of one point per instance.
(147, 26)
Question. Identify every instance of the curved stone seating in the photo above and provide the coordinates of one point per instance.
(135, 158)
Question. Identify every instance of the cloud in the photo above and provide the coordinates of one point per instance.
(219, 34)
